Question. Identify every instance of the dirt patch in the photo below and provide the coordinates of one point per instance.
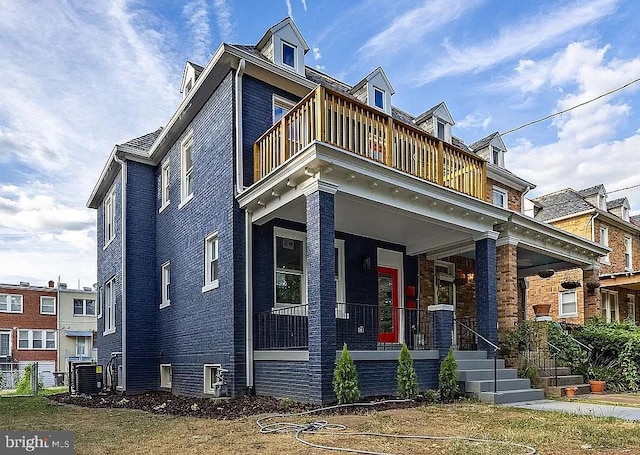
(221, 409)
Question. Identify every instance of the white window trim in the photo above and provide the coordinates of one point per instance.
(42, 297)
(165, 379)
(84, 309)
(284, 43)
(165, 300)
(504, 193)
(282, 102)
(210, 284)
(110, 322)
(111, 200)
(561, 313)
(604, 241)
(43, 334)
(383, 93)
(341, 291)
(209, 369)
(631, 307)
(99, 302)
(628, 240)
(607, 307)
(165, 187)
(8, 332)
(8, 310)
(293, 235)
(185, 198)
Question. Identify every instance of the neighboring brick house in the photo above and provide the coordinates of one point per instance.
(281, 213)
(589, 214)
(28, 328)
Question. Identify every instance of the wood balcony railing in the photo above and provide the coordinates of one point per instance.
(328, 116)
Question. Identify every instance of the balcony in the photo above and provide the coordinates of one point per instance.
(343, 122)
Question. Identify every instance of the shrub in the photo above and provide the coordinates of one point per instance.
(345, 379)
(24, 384)
(430, 396)
(407, 377)
(3, 380)
(448, 378)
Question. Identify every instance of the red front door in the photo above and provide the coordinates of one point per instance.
(387, 305)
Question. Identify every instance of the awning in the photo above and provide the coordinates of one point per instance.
(79, 333)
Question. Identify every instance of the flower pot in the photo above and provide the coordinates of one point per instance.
(542, 309)
(570, 391)
(592, 286)
(597, 387)
(570, 284)
(548, 273)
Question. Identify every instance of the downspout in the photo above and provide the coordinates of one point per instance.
(239, 151)
(522, 198)
(248, 241)
(123, 176)
(591, 221)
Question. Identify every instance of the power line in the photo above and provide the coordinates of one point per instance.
(571, 108)
(622, 189)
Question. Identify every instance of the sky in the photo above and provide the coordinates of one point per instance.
(76, 78)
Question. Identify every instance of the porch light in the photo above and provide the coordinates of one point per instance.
(470, 277)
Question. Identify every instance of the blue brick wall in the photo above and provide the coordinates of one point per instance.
(486, 292)
(110, 266)
(284, 379)
(257, 107)
(380, 377)
(197, 327)
(443, 335)
(142, 280)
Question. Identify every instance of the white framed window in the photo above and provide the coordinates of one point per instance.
(5, 344)
(341, 294)
(100, 302)
(47, 305)
(610, 309)
(378, 98)
(164, 185)
(11, 303)
(82, 349)
(290, 251)
(288, 55)
(495, 156)
(210, 262)
(109, 299)
(165, 375)
(628, 255)
(84, 307)
(212, 378)
(500, 198)
(568, 304)
(109, 218)
(440, 130)
(280, 107)
(186, 169)
(631, 308)
(37, 339)
(165, 278)
(625, 213)
(604, 241)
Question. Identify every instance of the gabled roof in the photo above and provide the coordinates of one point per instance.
(635, 219)
(370, 76)
(561, 203)
(617, 203)
(441, 110)
(143, 143)
(592, 190)
(197, 69)
(486, 141)
(283, 23)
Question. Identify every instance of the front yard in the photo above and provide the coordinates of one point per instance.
(102, 431)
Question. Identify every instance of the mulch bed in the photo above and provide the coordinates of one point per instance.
(222, 409)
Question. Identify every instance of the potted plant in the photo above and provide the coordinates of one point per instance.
(570, 392)
(592, 286)
(547, 273)
(570, 284)
(596, 376)
(541, 309)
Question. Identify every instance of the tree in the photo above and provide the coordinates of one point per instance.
(407, 377)
(345, 378)
(448, 377)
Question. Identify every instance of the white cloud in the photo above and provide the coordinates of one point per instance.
(316, 53)
(475, 119)
(412, 27)
(196, 13)
(304, 4)
(517, 39)
(223, 19)
(289, 9)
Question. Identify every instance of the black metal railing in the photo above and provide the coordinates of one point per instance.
(463, 326)
(361, 327)
(466, 340)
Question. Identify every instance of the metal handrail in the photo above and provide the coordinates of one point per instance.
(555, 362)
(495, 353)
(495, 347)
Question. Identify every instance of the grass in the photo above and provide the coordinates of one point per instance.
(102, 431)
(41, 392)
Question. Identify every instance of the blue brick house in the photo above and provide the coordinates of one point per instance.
(281, 213)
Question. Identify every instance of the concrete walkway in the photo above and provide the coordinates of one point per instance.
(576, 407)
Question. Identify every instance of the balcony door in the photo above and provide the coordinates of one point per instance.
(388, 300)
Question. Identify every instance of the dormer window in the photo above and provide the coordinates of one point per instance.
(441, 130)
(625, 213)
(496, 156)
(288, 55)
(378, 98)
(188, 88)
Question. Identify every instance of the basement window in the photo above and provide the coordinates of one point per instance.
(165, 375)
(213, 380)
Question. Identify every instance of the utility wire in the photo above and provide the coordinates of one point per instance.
(622, 189)
(571, 108)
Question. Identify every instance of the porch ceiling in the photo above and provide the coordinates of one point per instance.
(627, 280)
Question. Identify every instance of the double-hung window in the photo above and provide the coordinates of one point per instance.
(109, 299)
(500, 197)
(628, 259)
(82, 307)
(290, 267)
(165, 276)
(186, 169)
(280, 107)
(47, 305)
(610, 310)
(164, 185)
(10, 303)
(631, 308)
(5, 344)
(210, 262)
(604, 241)
(37, 339)
(109, 218)
(568, 304)
(288, 55)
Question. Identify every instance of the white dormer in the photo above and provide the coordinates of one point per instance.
(620, 208)
(285, 46)
(189, 76)
(437, 121)
(491, 148)
(375, 90)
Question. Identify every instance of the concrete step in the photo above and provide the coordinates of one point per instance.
(469, 355)
(560, 391)
(549, 381)
(511, 396)
(503, 384)
(478, 364)
(562, 371)
(486, 374)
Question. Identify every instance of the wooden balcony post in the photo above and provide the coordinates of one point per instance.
(320, 114)
(483, 187)
(388, 156)
(284, 144)
(256, 162)
(440, 162)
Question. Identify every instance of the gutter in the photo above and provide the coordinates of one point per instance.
(123, 175)
(239, 135)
